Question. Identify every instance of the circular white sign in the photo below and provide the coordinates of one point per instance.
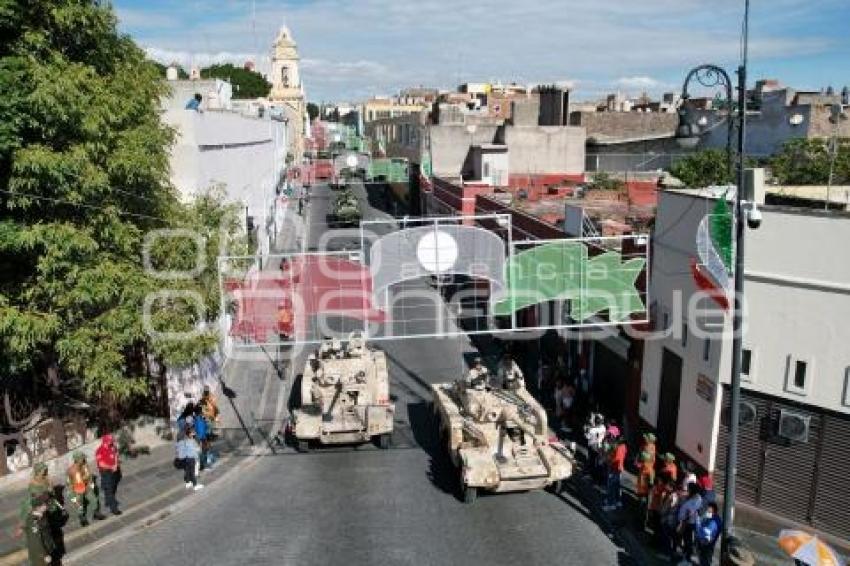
(437, 252)
(351, 161)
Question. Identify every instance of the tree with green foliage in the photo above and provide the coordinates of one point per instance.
(84, 176)
(606, 182)
(163, 70)
(703, 168)
(246, 83)
(312, 110)
(807, 162)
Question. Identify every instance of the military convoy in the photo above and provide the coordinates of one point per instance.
(344, 397)
(497, 436)
(346, 209)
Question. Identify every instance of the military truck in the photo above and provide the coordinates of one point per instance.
(346, 209)
(344, 397)
(498, 439)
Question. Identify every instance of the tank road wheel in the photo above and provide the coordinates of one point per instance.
(555, 487)
(302, 446)
(470, 494)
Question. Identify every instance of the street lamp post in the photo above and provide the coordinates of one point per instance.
(687, 133)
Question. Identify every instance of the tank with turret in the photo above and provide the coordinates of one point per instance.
(344, 396)
(497, 435)
(346, 209)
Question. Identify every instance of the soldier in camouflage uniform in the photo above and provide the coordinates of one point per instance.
(477, 376)
(35, 515)
(82, 489)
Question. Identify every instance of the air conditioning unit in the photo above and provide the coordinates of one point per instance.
(747, 413)
(793, 426)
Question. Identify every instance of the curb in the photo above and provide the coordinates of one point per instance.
(160, 516)
(143, 522)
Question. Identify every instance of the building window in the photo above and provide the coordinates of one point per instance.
(800, 368)
(799, 375)
(486, 172)
(706, 349)
(747, 364)
(846, 400)
(684, 334)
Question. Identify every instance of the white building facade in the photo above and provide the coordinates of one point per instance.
(795, 424)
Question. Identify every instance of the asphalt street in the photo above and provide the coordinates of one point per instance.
(362, 505)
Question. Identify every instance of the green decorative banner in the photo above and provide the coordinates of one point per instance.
(561, 271)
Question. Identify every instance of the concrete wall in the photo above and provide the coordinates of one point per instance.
(491, 167)
(797, 304)
(621, 125)
(545, 149)
(450, 146)
(769, 128)
(246, 155)
(798, 293)
(671, 288)
(532, 149)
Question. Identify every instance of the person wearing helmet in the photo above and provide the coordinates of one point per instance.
(510, 375)
(83, 489)
(477, 376)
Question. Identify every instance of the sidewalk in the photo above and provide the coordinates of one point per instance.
(626, 523)
(150, 484)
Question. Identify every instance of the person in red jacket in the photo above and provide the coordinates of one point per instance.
(616, 464)
(109, 468)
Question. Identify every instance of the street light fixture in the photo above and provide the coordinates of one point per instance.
(713, 76)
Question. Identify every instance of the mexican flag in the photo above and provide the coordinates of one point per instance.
(712, 272)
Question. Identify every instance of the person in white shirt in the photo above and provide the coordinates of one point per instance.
(595, 435)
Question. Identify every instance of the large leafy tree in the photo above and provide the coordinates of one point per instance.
(84, 177)
(312, 110)
(807, 162)
(703, 168)
(246, 83)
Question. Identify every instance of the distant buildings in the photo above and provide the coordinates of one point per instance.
(637, 134)
(484, 133)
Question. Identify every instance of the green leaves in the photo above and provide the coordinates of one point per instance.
(84, 175)
(246, 84)
(703, 169)
(807, 162)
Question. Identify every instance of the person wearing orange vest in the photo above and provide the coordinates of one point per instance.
(648, 445)
(646, 475)
(284, 319)
(668, 469)
(653, 509)
(616, 465)
(83, 489)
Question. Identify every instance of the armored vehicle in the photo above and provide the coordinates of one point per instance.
(498, 438)
(344, 396)
(346, 209)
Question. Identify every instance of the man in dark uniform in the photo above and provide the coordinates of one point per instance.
(37, 510)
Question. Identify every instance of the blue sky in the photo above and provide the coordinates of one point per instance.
(352, 49)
